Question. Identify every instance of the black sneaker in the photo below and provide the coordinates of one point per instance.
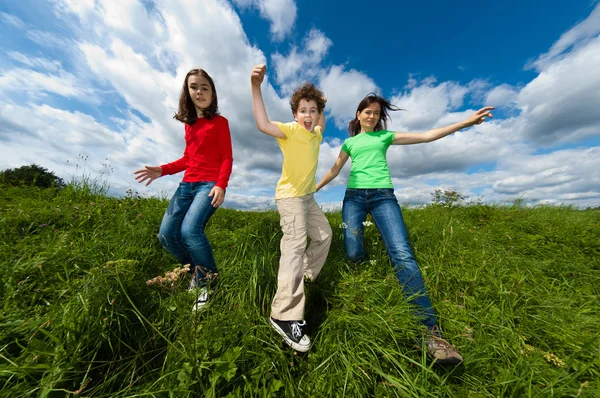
(292, 334)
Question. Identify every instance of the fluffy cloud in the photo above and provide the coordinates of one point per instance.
(300, 65)
(561, 104)
(281, 14)
(344, 90)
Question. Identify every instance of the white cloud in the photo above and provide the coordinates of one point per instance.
(344, 90)
(10, 19)
(281, 14)
(426, 103)
(502, 96)
(303, 64)
(561, 104)
(35, 62)
(574, 38)
(37, 84)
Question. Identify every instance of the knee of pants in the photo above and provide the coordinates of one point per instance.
(163, 239)
(294, 244)
(405, 260)
(190, 236)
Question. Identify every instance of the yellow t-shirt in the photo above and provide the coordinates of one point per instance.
(300, 157)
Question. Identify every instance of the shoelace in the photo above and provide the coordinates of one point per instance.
(296, 331)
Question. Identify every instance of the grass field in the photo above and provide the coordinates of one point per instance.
(516, 289)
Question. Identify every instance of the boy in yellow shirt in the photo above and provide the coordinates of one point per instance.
(300, 215)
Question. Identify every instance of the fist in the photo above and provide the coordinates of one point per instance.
(258, 74)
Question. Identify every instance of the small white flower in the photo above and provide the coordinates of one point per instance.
(343, 225)
(367, 223)
(373, 262)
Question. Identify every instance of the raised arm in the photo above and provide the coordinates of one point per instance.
(335, 170)
(435, 134)
(321, 121)
(258, 106)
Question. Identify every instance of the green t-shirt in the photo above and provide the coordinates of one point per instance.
(369, 164)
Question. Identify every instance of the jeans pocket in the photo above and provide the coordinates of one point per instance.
(350, 193)
(386, 192)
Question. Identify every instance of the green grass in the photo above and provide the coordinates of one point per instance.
(511, 285)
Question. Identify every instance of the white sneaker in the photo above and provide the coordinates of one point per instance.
(201, 297)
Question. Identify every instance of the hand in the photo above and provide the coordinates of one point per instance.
(218, 195)
(150, 173)
(258, 74)
(479, 116)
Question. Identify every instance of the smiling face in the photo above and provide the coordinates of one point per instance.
(200, 91)
(307, 114)
(369, 117)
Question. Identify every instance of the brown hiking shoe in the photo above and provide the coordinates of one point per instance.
(440, 350)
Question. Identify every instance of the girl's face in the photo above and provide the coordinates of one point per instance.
(369, 117)
(200, 91)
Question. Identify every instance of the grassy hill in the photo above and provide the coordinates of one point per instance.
(516, 290)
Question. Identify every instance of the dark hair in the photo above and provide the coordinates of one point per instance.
(187, 111)
(308, 92)
(371, 98)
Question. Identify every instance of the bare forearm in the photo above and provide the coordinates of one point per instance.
(331, 174)
(441, 132)
(258, 107)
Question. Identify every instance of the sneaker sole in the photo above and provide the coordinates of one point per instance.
(288, 341)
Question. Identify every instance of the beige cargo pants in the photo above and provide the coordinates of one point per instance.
(300, 217)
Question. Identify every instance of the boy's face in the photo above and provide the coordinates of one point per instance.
(307, 114)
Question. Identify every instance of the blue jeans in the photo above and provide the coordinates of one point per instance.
(383, 207)
(182, 228)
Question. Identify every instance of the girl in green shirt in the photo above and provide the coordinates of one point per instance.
(370, 191)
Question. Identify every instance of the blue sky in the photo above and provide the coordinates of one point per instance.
(99, 80)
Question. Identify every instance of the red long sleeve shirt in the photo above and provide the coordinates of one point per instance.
(207, 155)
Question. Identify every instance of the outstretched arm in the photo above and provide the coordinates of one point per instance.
(258, 106)
(435, 134)
(335, 170)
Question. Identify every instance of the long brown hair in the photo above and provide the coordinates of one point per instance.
(371, 98)
(187, 111)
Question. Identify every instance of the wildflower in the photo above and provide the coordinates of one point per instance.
(170, 277)
(367, 223)
(43, 225)
(527, 349)
(343, 225)
(373, 262)
(553, 359)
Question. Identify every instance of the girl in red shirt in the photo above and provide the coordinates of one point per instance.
(207, 161)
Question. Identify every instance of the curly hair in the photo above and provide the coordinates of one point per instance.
(386, 107)
(308, 92)
(187, 111)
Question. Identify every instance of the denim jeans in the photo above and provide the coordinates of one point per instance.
(383, 207)
(182, 228)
